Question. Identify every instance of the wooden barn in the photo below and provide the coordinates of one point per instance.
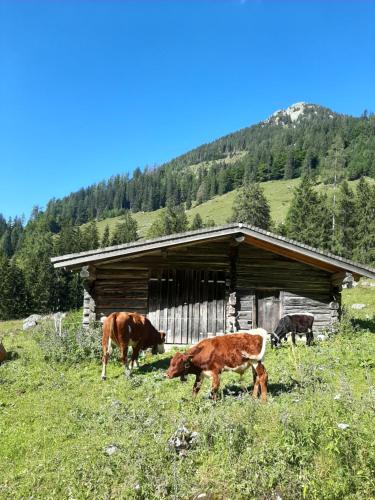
(212, 281)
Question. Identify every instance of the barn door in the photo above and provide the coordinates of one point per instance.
(187, 304)
(268, 309)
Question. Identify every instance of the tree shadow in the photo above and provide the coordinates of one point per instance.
(364, 324)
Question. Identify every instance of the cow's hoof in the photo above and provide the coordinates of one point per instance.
(104, 378)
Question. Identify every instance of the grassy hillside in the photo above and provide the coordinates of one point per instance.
(58, 420)
(278, 193)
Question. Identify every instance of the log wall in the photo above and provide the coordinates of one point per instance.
(124, 285)
(302, 287)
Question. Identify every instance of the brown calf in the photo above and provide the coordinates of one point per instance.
(129, 329)
(233, 352)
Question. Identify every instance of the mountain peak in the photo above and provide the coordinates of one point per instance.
(293, 113)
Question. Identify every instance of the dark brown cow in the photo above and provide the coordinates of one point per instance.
(298, 323)
(129, 329)
(233, 352)
(3, 353)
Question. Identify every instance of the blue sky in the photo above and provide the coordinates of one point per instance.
(89, 89)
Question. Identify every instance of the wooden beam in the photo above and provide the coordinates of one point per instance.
(254, 236)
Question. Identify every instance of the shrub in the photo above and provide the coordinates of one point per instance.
(74, 345)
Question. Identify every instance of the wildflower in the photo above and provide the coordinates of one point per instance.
(343, 426)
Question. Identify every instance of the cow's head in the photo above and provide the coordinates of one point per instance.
(275, 340)
(158, 348)
(179, 366)
(278, 335)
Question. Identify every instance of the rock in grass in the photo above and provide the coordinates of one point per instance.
(343, 426)
(358, 306)
(111, 449)
(31, 321)
(182, 441)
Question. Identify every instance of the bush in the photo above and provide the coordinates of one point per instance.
(74, 345)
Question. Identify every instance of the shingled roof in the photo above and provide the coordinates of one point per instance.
(252, 235)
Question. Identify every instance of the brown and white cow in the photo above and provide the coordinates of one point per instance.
(233, 352)
(129, 329)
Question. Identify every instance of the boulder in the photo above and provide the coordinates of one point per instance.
(31, 321)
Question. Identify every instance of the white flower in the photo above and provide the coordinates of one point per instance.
(111, 449)
(343, 426)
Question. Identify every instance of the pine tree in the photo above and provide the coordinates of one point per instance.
(13, 295)
(170, 220)
(364, 245)
(3, 225)
(308, 217)
(6, 243)
(333, 166)
(343, 238)
(209, 223)
(125, 231)
(34, 260)
(289, 172)
(309, 164)
(251, 207)
(68, 240)
(105, 238)
(90, 236)
(197, 222)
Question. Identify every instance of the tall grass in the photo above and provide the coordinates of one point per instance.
(57, 420)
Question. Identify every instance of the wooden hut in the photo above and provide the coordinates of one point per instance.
(212, 281)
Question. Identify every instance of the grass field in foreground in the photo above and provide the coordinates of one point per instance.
(56, 420)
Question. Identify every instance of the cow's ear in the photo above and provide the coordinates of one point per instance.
(187, 360)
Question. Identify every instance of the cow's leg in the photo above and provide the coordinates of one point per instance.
(124, 357)
(197, 383)
(260, 381)
(309, 337)
(107, 349)
(255, 381)
(293, 338)
(263, 380)
(215, 384)
(135, 355)
(254, 374)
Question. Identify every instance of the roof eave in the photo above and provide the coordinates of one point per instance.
(74, 261)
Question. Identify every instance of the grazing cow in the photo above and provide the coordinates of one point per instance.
(296, 324)
(129, 329)
(232, 352)
(3, 353)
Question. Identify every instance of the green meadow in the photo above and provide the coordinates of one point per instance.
(314, 438)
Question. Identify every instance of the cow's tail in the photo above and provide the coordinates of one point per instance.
(112, 332)
(263, 333)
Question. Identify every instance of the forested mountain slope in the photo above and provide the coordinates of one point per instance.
(279, 195)
(304, 138)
